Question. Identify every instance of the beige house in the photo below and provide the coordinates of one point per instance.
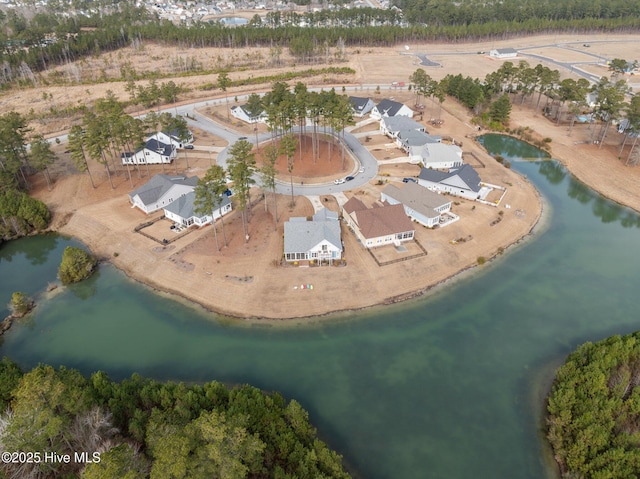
(379, 225)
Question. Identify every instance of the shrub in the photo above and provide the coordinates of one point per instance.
(482, 260)
(21, 304)
(76, 265)
(499, 158)
(547, 140)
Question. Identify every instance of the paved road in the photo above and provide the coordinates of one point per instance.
(361, 155)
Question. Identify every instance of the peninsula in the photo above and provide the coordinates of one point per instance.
(248, 279)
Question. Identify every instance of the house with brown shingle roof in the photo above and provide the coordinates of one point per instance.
(379, 225)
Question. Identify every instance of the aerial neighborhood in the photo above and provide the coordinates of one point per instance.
(387, 220)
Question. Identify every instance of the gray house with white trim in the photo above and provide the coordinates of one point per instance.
(436, 155)
(160, 191)
(315, 240)
(464, 181)
(182, 211)
(420, 204)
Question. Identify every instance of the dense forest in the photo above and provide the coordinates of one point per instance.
(19, 213)
(52, 37)
(594, 410)
(141, 428)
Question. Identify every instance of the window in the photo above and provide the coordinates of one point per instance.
(324, 248)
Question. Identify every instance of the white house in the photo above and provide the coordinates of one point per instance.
(392, 126)
(503, 53)
(378, 226)
(390, 108)
(153, 152)
(182, 210)
(240, 112)
(436, 155)
(463, 181)
(171, 138)
(316, 240)
(160, 191)
(419, 203)
(406, 139)
(361, 106)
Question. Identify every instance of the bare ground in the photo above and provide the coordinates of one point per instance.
(247, 279)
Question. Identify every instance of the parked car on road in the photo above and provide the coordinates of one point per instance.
(361, 170)
(407, 180)
(348, 178)
(339, 181)
(188, 147)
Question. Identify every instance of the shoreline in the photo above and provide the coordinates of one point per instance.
(411, 292)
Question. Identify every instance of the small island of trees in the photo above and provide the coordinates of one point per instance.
(76, 265)
(594, 410)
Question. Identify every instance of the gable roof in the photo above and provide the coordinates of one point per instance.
(401, 123)
(158, 185)
(504, 51)
(417, 197)
(302, 236)
(185, 205)
(325, 215)
(438, 152)
(354, 204)
(383, 221)
(389, 107)
(358, 103)
(159, 147)
(411, 138)
(466, 173)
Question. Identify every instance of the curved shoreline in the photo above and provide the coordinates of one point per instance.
(336, 309)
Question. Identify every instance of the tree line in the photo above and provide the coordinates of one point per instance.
(481, 12)
(21, 154)
(603, 103)
(107, 132)
(140, 428)
(30, 46)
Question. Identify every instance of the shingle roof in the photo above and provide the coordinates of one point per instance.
(506, 50)
(417, 197)
(185, 207)
(389, 107)
(354, 204)
(158, 185)
(325, 215)
(438, 152)
(401, 123)
(159, 147)
(358, 102)
(300, 237)
(466, 173)
(383, 221)
(417, 138)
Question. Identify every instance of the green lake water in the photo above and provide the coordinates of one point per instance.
(448, 386)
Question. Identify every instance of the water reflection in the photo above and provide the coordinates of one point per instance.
(553, 171)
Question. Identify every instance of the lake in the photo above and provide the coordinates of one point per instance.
(451, 385)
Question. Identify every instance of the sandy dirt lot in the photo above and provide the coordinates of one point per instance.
(248, 279)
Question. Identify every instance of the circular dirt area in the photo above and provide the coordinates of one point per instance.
(325, 165)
